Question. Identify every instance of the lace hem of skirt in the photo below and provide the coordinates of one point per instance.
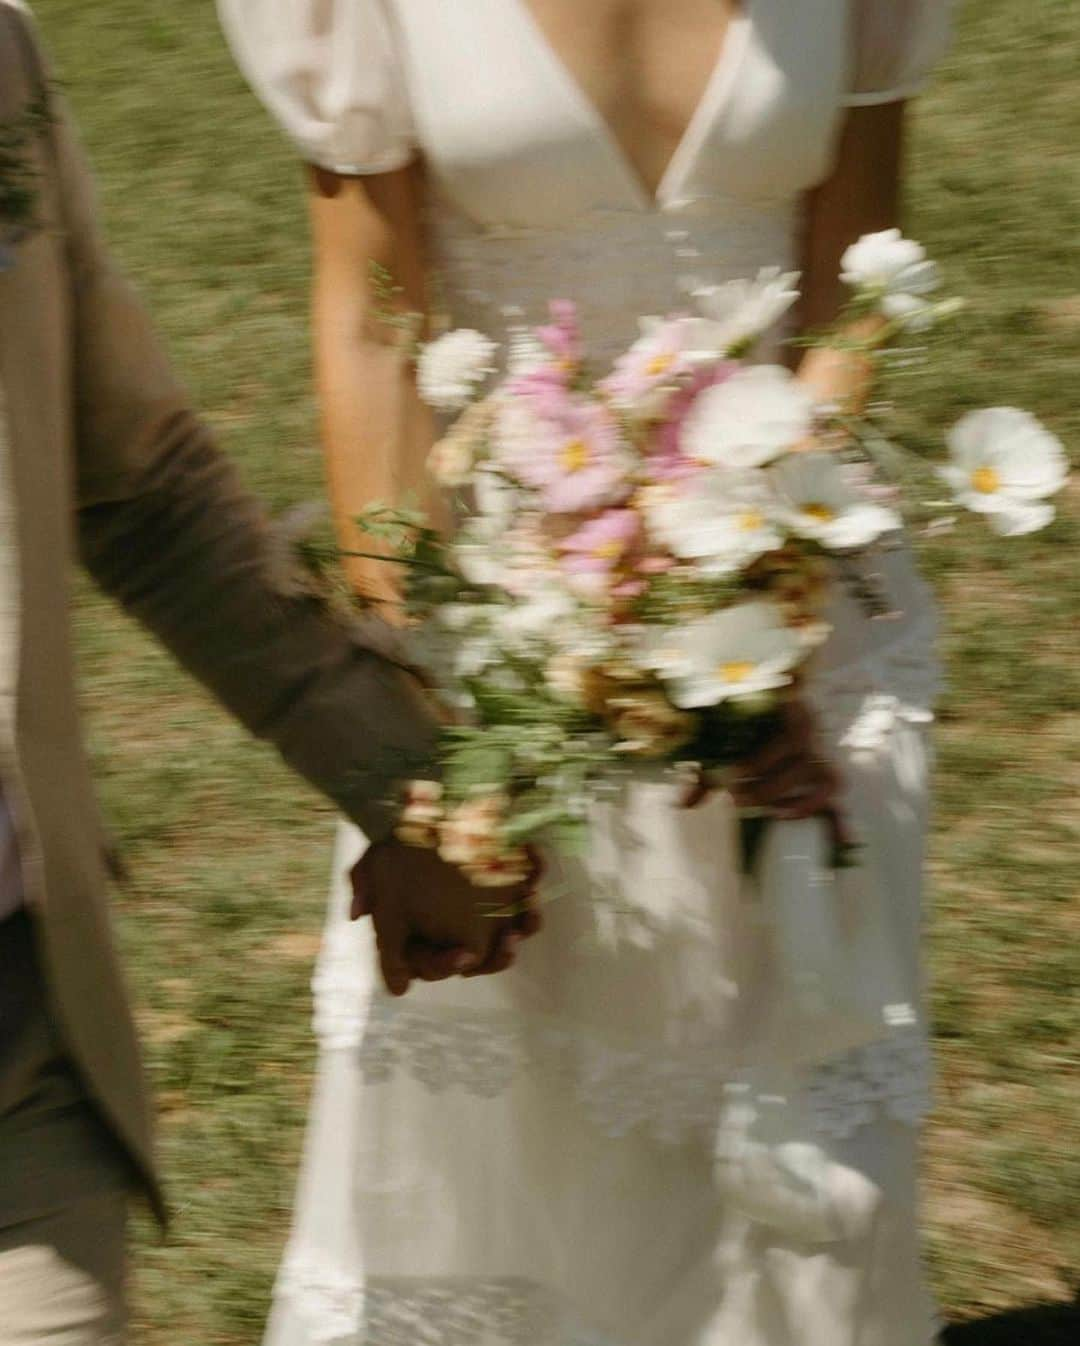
(340, 1309)
(674, 1096)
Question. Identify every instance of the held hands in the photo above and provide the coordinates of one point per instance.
(431, 923)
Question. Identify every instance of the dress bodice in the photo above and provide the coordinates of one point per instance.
(531, 196)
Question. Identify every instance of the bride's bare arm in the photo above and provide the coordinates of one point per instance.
(376, 433)
(861, 196)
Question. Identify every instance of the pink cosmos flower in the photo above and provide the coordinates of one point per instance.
(667, 462)
(568, 448)
(643, 379)
(562, 336)
(601, 544)
(558, 356)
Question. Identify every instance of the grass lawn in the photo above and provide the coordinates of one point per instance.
(230, 854)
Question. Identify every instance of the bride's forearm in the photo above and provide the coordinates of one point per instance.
(376, 433)
(842, 377)
(376, 438)
(861, 196)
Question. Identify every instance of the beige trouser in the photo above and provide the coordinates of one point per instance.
(63, 1184)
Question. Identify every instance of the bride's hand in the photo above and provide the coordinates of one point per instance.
(790, 777)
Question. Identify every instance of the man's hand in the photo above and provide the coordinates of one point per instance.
(431, 923)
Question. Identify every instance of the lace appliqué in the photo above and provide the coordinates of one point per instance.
(343, 1310)
(893, 1079)
(675, 1098)
(481, 1054)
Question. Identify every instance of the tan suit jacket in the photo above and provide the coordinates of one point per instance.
(108, 463)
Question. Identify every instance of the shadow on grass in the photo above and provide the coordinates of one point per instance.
(1047, 1325)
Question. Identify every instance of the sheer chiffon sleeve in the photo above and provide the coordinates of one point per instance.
(329, 71)
(896, 44)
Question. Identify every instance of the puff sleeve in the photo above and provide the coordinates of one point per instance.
(895, 44)
(330, 72)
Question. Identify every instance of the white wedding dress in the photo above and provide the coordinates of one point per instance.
(689, 1116)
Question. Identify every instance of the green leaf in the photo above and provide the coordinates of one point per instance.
(477, 766)
(526, 825)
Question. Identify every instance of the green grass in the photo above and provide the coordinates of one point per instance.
(230, 854)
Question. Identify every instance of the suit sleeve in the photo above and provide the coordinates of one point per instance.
(166, 528)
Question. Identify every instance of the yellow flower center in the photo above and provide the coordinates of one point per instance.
(659, 365)
(986, 480)
(575, 456)
(738, 670)
(608, 551)
(816, 510)
(751, 521)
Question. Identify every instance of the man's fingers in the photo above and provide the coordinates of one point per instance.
(429, 962)
(391, 938)
(696, 792)
(529, 921)
(362, 884)
(502, 954)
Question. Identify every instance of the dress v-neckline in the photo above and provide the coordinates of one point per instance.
(718, 87)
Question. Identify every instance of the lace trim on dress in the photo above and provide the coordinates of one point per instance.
(893, 1078)
(674, 1098)
(342, 1310)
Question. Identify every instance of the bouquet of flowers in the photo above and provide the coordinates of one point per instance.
(645, 557)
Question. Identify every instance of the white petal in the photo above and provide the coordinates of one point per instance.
(1018, 518)
(914, 313)
(921, 278)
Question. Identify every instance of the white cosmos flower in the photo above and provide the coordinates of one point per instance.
(1004, 464)
(739, 651)
(457, 643)
(749, 419)
(818, 501)
(722, 519)
(535, 620)
(892, 265)
(452, 368)
(477, 562)
(495, 499)
(737, 313)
